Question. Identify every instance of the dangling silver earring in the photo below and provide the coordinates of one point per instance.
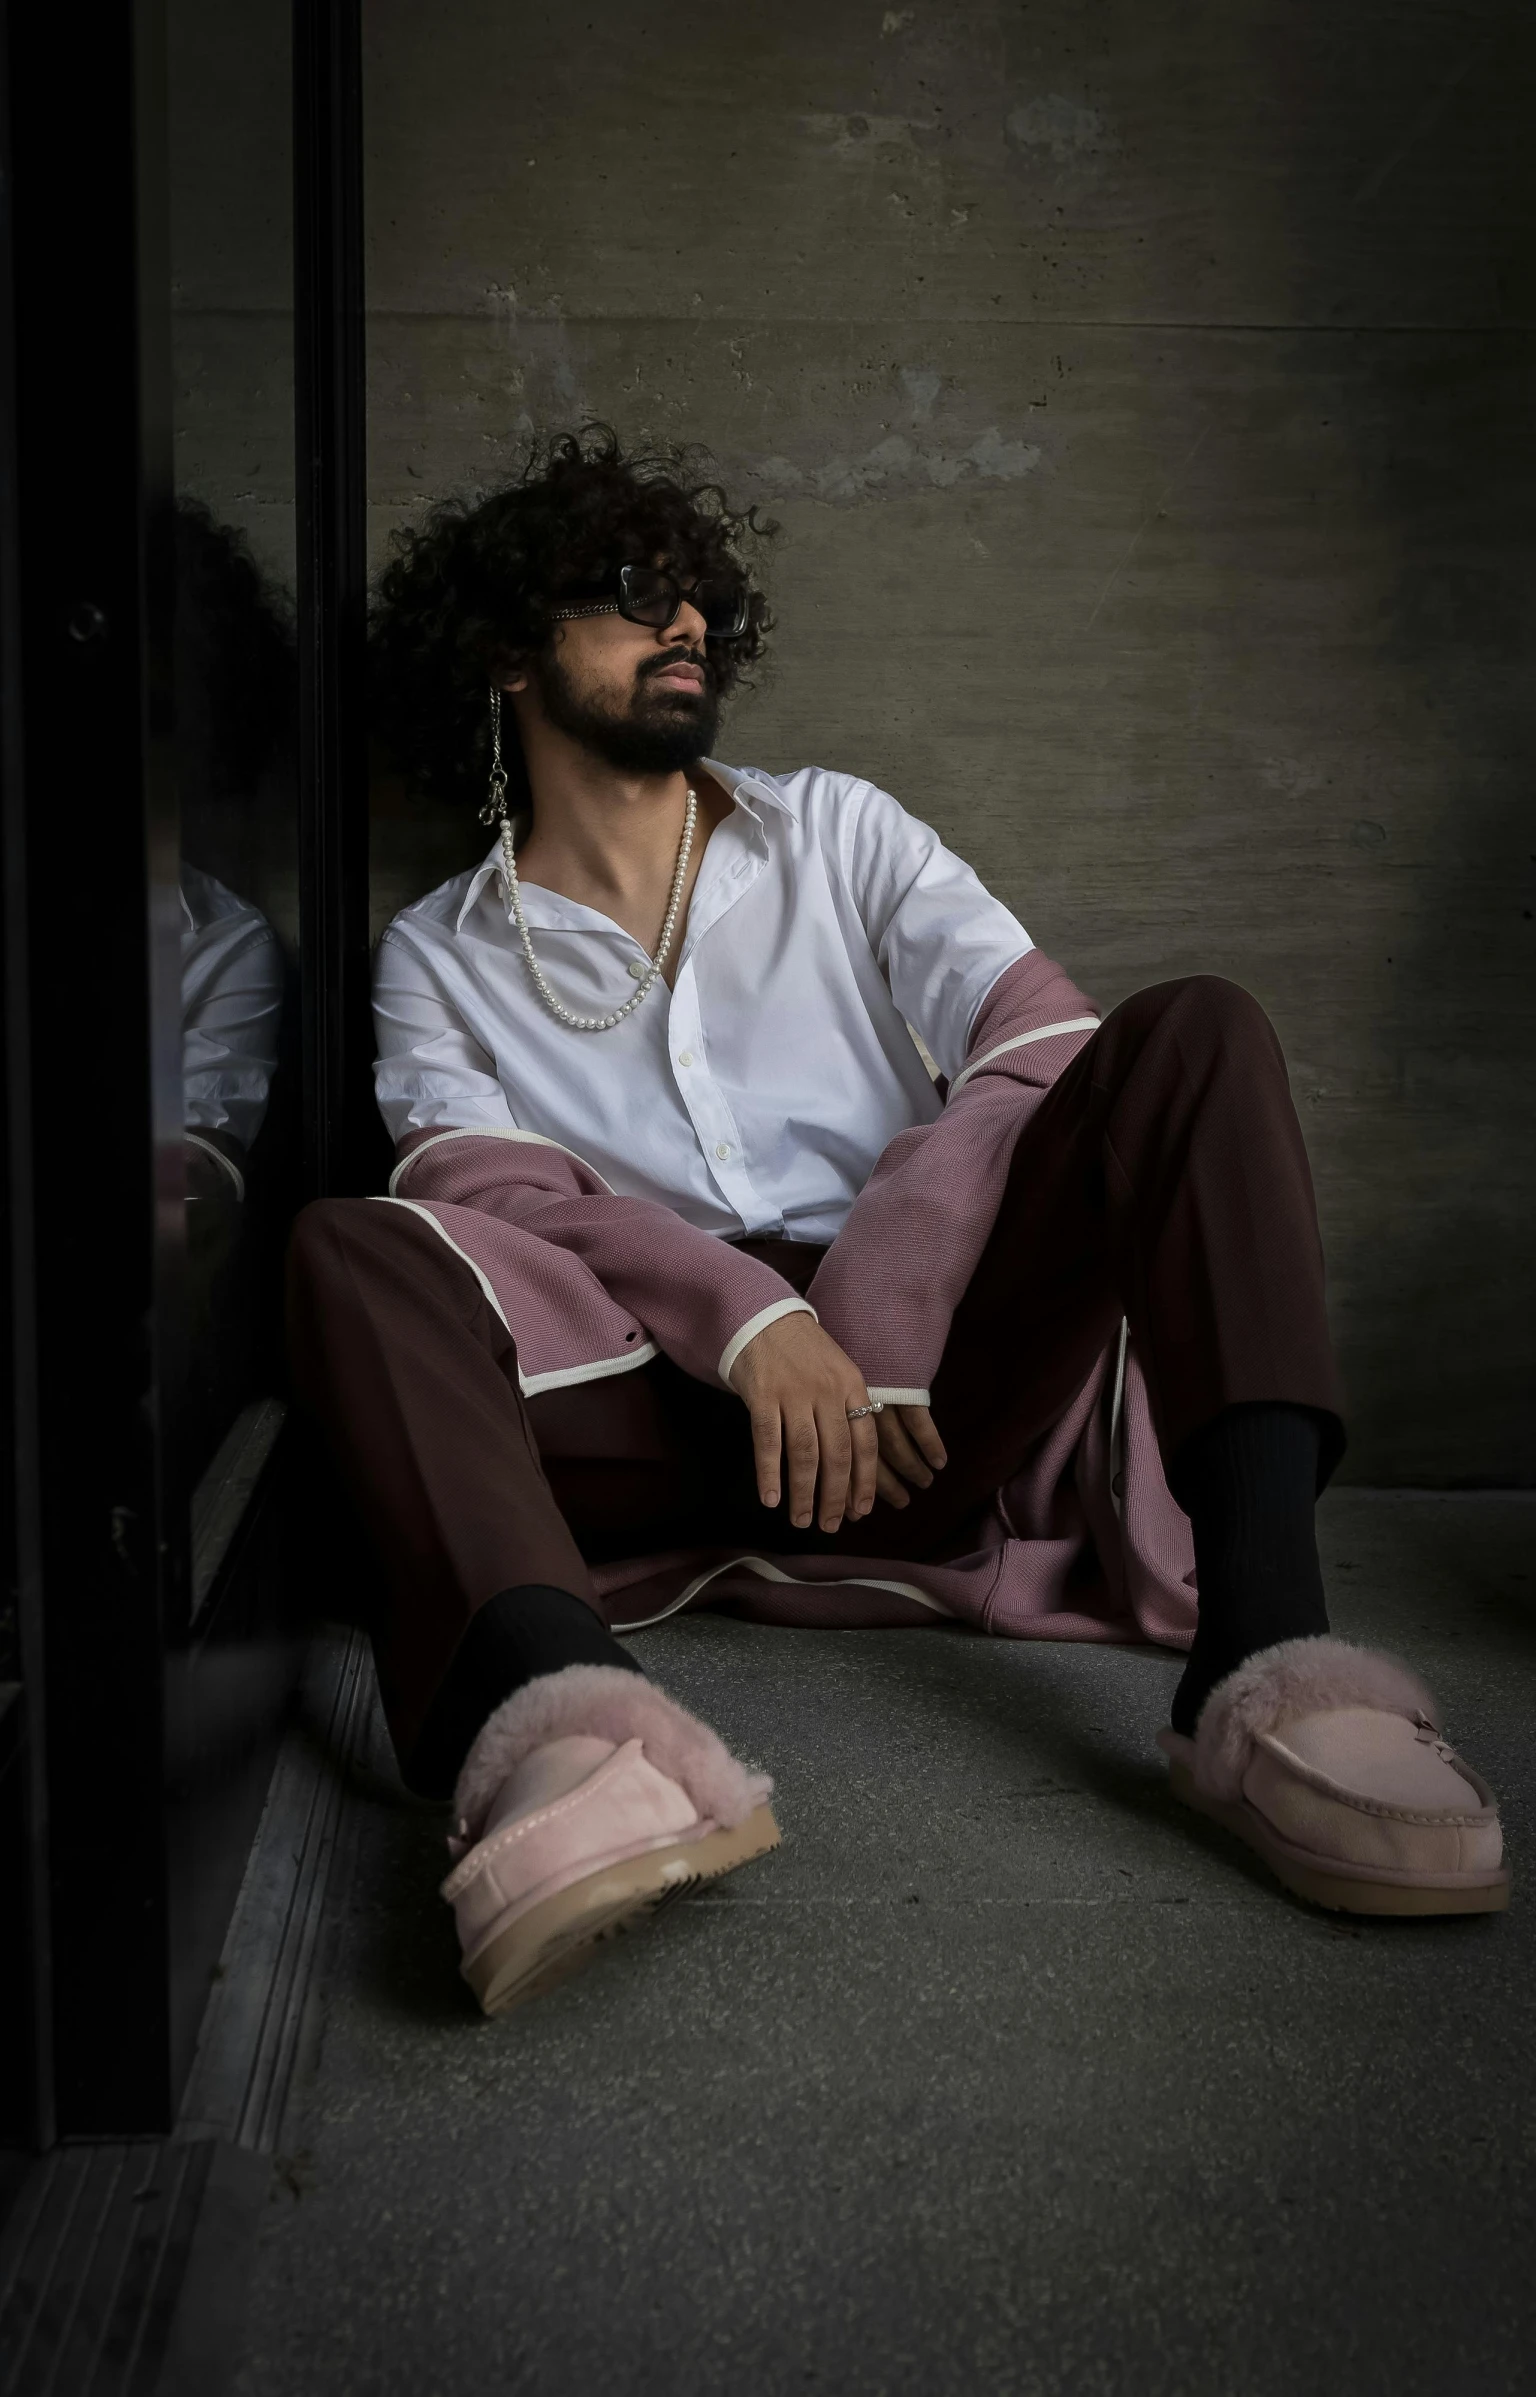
(495, 808)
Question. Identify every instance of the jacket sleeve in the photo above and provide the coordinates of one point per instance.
(700, 1299)
(889, 1285)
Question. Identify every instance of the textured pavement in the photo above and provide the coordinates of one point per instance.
(1004, 2074)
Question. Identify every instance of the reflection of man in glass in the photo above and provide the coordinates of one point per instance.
(234, 705)
(231, 1010)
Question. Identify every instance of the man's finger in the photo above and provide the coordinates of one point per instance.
(899, 1453)
(803, 1450)
(835, 1434)
(866, 1460)
(767, 1447)
(894, 1492)
(921, 1428)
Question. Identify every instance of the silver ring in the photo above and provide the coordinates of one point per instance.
(876, 1406)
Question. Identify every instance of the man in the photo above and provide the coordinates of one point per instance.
(693, 1281)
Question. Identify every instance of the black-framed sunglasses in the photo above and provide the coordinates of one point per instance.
(650, 595)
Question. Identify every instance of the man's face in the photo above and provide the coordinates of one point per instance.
(642, 700)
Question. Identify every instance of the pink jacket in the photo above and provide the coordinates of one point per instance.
(590, 1283)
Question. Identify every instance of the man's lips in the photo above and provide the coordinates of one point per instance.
(679, 678)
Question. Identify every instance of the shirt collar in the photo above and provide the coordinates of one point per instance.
(741, 783)
(739, 779)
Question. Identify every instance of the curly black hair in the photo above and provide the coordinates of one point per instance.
(476, 586)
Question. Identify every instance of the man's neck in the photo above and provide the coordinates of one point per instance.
(610, 841)
(598, 834)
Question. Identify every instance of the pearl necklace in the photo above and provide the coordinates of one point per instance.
(647, 980)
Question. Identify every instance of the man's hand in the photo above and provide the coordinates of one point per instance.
(910, 1451)
(798, 1386)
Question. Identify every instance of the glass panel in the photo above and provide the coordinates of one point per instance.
(231, 179)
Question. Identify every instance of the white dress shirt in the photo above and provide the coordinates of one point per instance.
(755, 1096)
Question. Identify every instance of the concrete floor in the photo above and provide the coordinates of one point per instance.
(1002, 2075)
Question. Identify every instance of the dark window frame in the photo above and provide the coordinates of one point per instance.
(125, 1914)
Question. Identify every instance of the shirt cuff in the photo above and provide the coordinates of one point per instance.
(900, 1398)
(211, 1149)
(759, 1323)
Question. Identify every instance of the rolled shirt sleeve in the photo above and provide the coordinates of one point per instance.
(940, 937)
(232, 1005)
(430, 1072)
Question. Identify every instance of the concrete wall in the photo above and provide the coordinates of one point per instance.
(1143, 389)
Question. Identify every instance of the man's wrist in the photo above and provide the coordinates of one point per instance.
(896, 1395)
(747, 1333)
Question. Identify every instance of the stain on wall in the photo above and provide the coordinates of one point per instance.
(1144, 390)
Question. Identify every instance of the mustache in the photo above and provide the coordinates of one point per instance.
(677, 657)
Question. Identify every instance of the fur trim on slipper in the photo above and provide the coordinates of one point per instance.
(1295, 1678)
(604, 1702)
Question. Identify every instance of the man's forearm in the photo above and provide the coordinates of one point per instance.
(700, 1298)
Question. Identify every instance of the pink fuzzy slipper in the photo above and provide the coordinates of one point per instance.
(587, 1800)
(1328, 1760)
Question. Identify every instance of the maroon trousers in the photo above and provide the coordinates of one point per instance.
(1163, 1178)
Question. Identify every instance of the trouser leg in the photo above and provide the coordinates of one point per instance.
(1163, 1178)
(413, 1380)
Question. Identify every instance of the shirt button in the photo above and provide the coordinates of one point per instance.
(639, 967)
(685, 1057)
(722, 1149)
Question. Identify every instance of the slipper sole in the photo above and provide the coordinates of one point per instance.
(1356, 1890)
(556, 1938)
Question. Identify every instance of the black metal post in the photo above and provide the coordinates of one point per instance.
(27, 2115)
(95, 1147)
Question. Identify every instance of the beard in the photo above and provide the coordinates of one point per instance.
(660, 732)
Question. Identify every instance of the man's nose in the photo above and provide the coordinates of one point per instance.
(687, 625)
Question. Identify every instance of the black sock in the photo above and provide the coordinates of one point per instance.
(1248, 1483)
(514, 1637)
